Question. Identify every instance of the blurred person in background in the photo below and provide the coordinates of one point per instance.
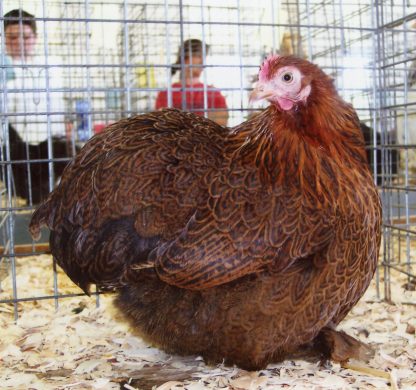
(28, 77)
(33, 109)
(193, 60)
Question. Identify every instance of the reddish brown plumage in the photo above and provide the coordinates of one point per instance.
(241, 245)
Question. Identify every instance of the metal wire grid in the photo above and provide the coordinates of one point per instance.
(395, 63)
(117, 56)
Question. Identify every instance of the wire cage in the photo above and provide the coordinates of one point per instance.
(108, 59)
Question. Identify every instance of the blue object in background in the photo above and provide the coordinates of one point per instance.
(7, 72)
(10, 75)
(82, 108)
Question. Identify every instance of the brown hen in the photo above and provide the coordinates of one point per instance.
(241, 245)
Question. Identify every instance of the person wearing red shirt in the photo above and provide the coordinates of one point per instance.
(192, 97)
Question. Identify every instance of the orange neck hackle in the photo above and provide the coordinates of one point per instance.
(305, 146)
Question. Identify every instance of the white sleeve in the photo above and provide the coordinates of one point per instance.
(56, 100)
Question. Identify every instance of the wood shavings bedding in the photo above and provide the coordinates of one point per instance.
(81, 346)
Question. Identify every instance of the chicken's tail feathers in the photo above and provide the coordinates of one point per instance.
(38, 220)
(101, 254)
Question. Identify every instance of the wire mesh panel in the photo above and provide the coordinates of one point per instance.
(96, 61)
(395, 115)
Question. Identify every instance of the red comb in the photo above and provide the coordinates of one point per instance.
(264, 72)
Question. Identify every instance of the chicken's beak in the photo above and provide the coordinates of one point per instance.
(260, 93)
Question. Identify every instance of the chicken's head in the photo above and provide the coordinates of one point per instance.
(285, 81)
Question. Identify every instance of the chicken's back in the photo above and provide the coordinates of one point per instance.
(130, 188)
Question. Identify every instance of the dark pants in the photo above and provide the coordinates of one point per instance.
(32, 178)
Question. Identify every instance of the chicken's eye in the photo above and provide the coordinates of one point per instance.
(287, 77)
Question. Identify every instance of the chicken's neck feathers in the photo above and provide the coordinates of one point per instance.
(311, 147)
